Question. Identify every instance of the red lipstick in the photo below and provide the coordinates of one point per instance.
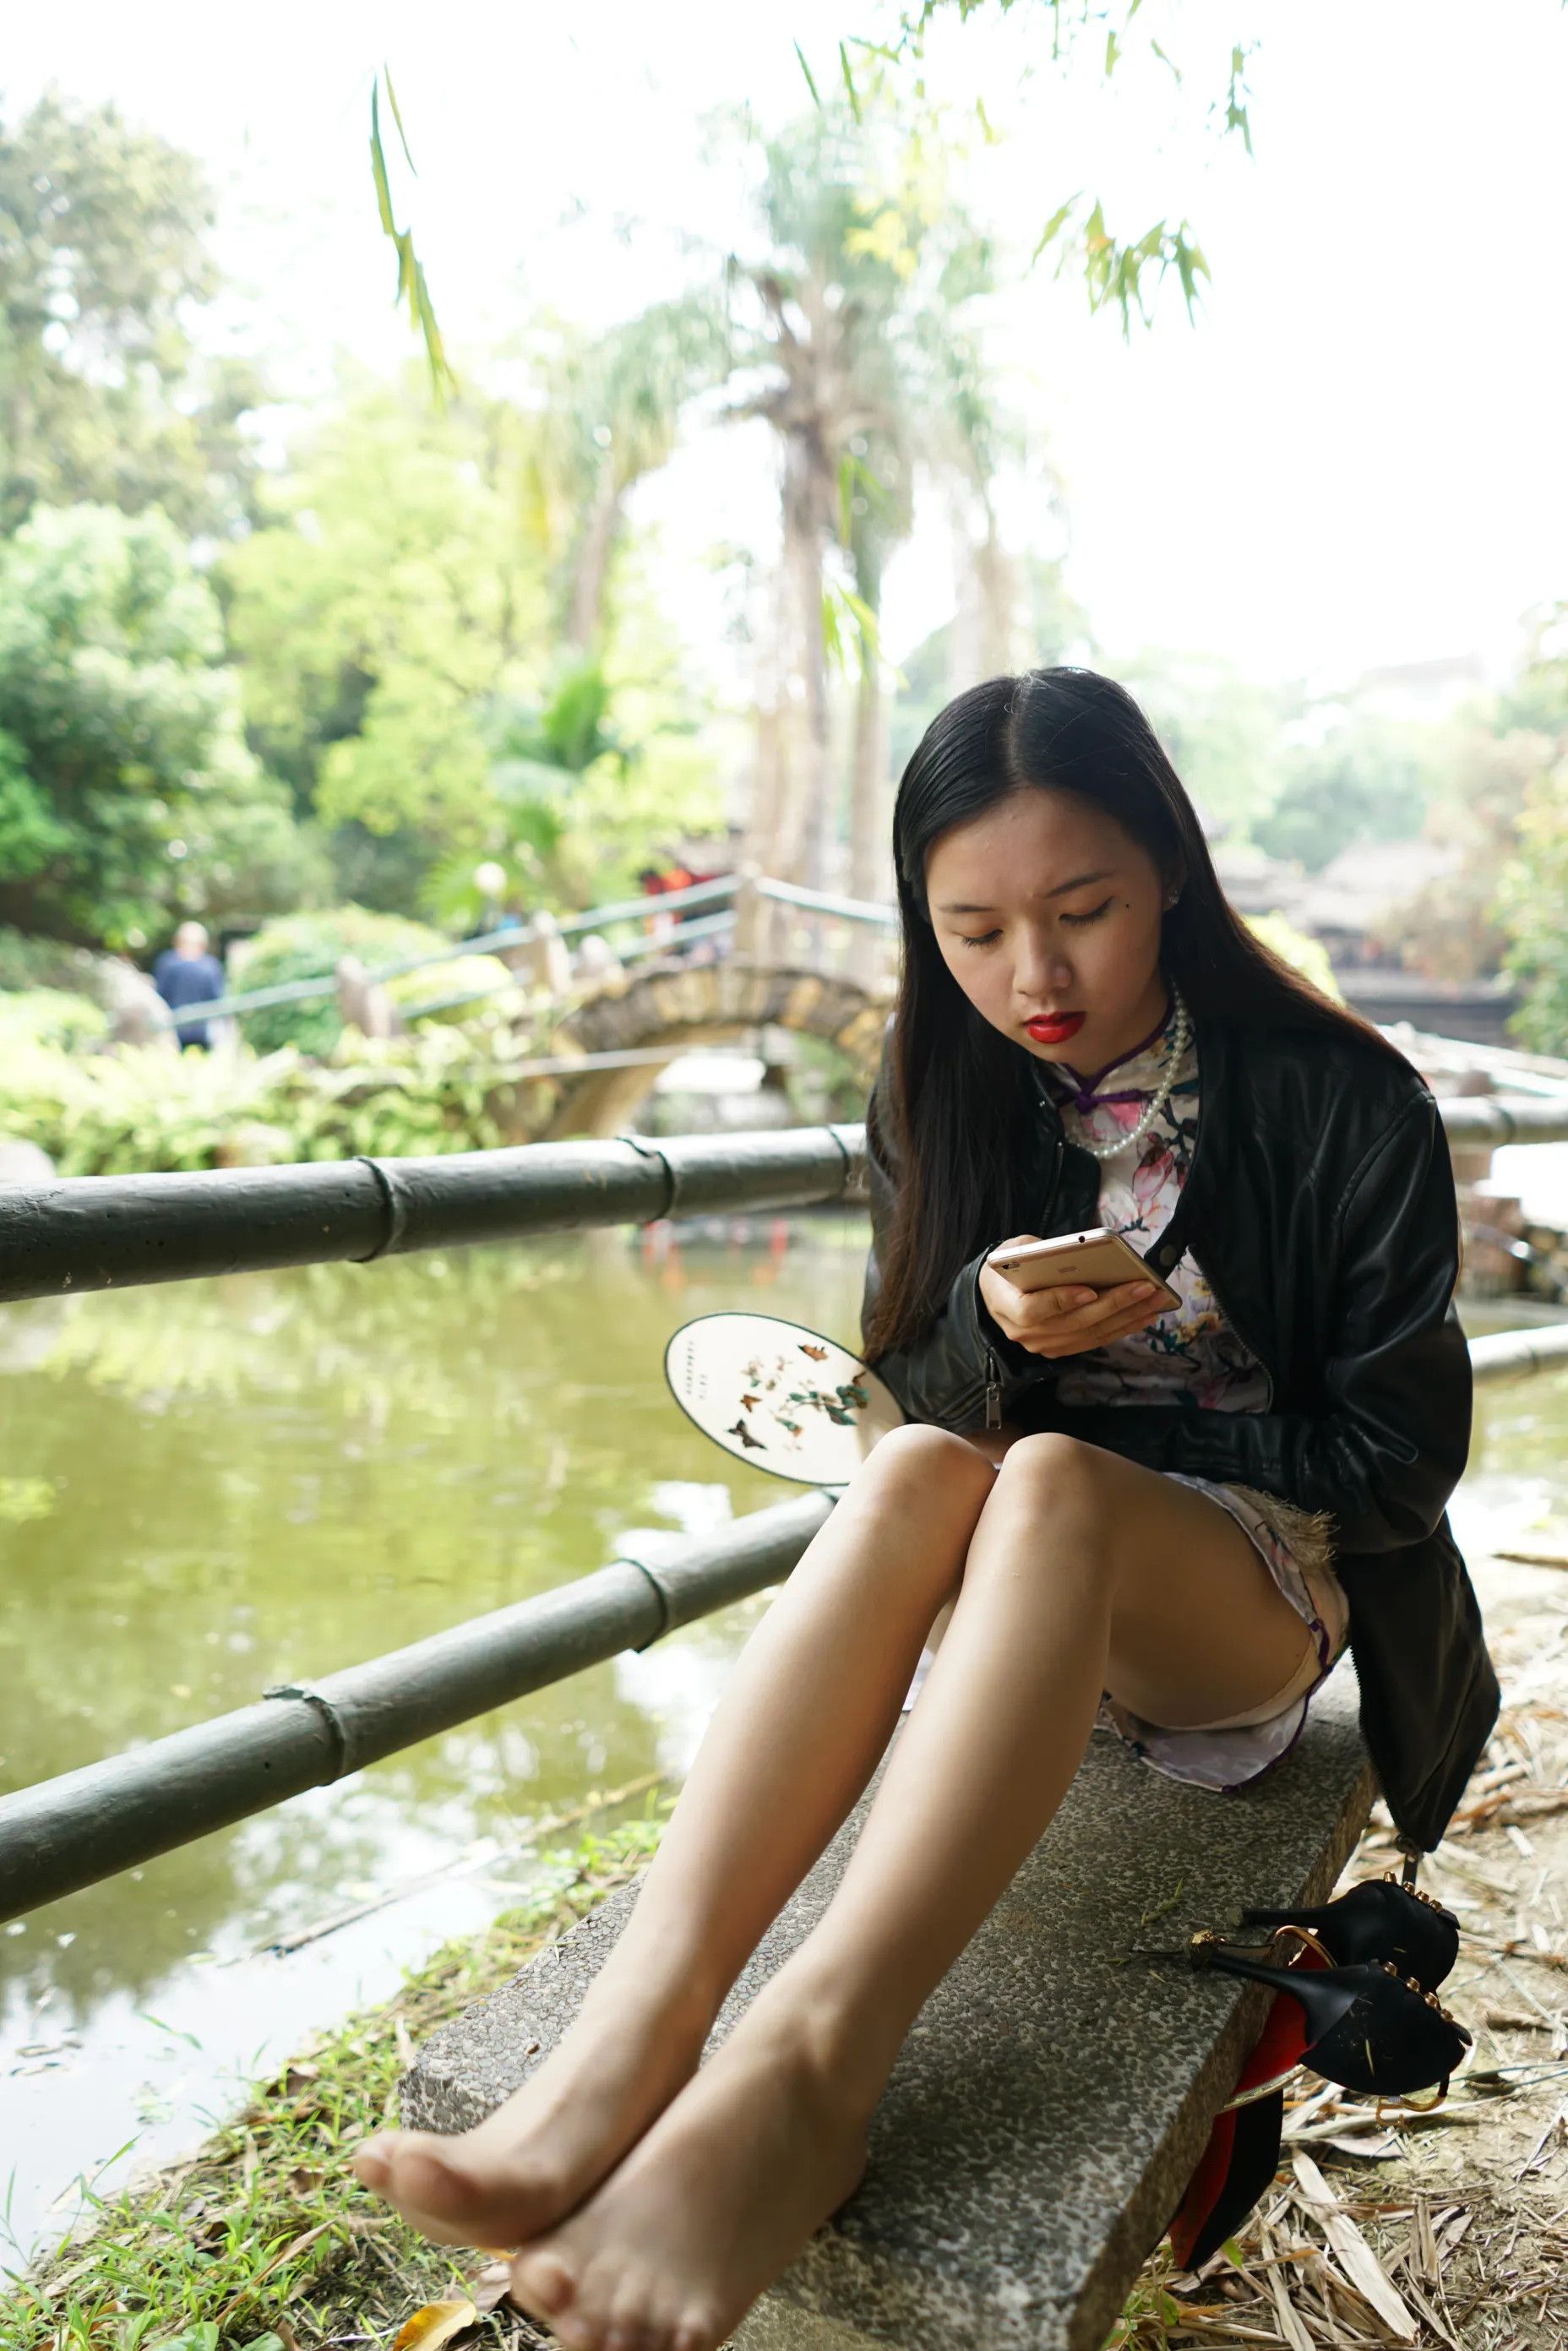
(1055, 1027)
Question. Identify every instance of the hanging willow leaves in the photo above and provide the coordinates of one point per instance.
(1121, 273)
(412, 287)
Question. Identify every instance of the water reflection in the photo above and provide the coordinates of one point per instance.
(213, 1487)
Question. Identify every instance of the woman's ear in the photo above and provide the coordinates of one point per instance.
(1175, 882)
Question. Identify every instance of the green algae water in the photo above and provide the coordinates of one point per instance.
(210, 1488)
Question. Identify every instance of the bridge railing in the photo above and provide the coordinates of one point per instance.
(729, 892)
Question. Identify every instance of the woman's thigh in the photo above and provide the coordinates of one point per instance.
(1199, 1628)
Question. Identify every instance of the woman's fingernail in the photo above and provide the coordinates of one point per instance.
(1142, 1289)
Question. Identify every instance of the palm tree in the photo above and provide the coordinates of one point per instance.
(612, 410)
(853, 318)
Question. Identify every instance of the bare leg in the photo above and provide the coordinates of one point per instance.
(801, 1726)
(1085, 1572)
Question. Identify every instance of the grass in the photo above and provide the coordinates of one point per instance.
(263, 2238)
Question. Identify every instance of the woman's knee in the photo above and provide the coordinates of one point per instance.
(918, 1459)
(1058, 1470)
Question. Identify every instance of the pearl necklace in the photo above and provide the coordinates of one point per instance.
(1181, 1035)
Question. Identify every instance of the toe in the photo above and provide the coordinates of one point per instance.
(697, 2329)
(544, 2284)
(372, 2162)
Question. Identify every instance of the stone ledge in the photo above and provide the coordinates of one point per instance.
(1055, 2092)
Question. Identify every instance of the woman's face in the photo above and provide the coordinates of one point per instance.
(1047, 915)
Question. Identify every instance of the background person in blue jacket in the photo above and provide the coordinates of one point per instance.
(185, 974)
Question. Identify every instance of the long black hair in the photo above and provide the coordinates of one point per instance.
(956, 1100)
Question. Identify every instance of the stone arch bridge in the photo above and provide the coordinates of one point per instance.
(705, 1004)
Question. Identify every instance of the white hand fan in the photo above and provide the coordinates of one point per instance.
(779, 1396)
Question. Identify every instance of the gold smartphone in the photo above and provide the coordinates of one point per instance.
(1100, 1260)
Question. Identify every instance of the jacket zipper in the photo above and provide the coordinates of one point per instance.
(993, 1392)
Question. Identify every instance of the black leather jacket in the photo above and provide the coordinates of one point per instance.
(1320, 1203)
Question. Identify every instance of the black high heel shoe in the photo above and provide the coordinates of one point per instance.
(1379, 1920)
(1369, 2028)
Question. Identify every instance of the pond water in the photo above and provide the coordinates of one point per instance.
(213, 1487)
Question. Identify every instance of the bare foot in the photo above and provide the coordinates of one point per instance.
(713, 2202)
(552, 2141)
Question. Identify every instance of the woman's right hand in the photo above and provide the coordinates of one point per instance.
(1053, 1322)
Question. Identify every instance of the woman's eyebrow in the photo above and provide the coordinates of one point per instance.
(1079, 882)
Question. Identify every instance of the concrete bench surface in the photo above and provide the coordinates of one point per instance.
(1056, 2092)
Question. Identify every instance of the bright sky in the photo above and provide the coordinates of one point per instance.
(1356, 457)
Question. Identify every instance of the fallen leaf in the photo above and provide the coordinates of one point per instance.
(1291, 2326)
(436, 2324)
(302, 2182)
(492, 2286)
(1357, 2258)
(404, 2045)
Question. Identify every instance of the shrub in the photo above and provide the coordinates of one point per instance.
(310, 946)
(49, 1016)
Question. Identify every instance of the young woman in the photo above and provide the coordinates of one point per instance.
(1166, 1519)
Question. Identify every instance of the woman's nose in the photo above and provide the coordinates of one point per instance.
(1040, 969)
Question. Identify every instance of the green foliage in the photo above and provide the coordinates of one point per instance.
(398, 592)
(1116, 269)
(1365, 778)
(127, 794)
(1538, 698)
(101, 253)
(1532, 898)
(31, 962)
(136, 1110)
(1223, 732)
(49, 1016)
(310, 946)
(411, 289)
(542, 753)
(267, 2227)
(1298, 949)
(1119, 272)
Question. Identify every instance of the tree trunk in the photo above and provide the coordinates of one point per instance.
(806, 498)
(593, 565)
(994, 580)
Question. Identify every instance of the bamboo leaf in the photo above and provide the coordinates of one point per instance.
(854, 96)
(412, 287)
(810, 84)
(1054, 227)
(397, 117)
(379, 167)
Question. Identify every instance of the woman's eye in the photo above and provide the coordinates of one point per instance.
(1079, 919)
(984, 941)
